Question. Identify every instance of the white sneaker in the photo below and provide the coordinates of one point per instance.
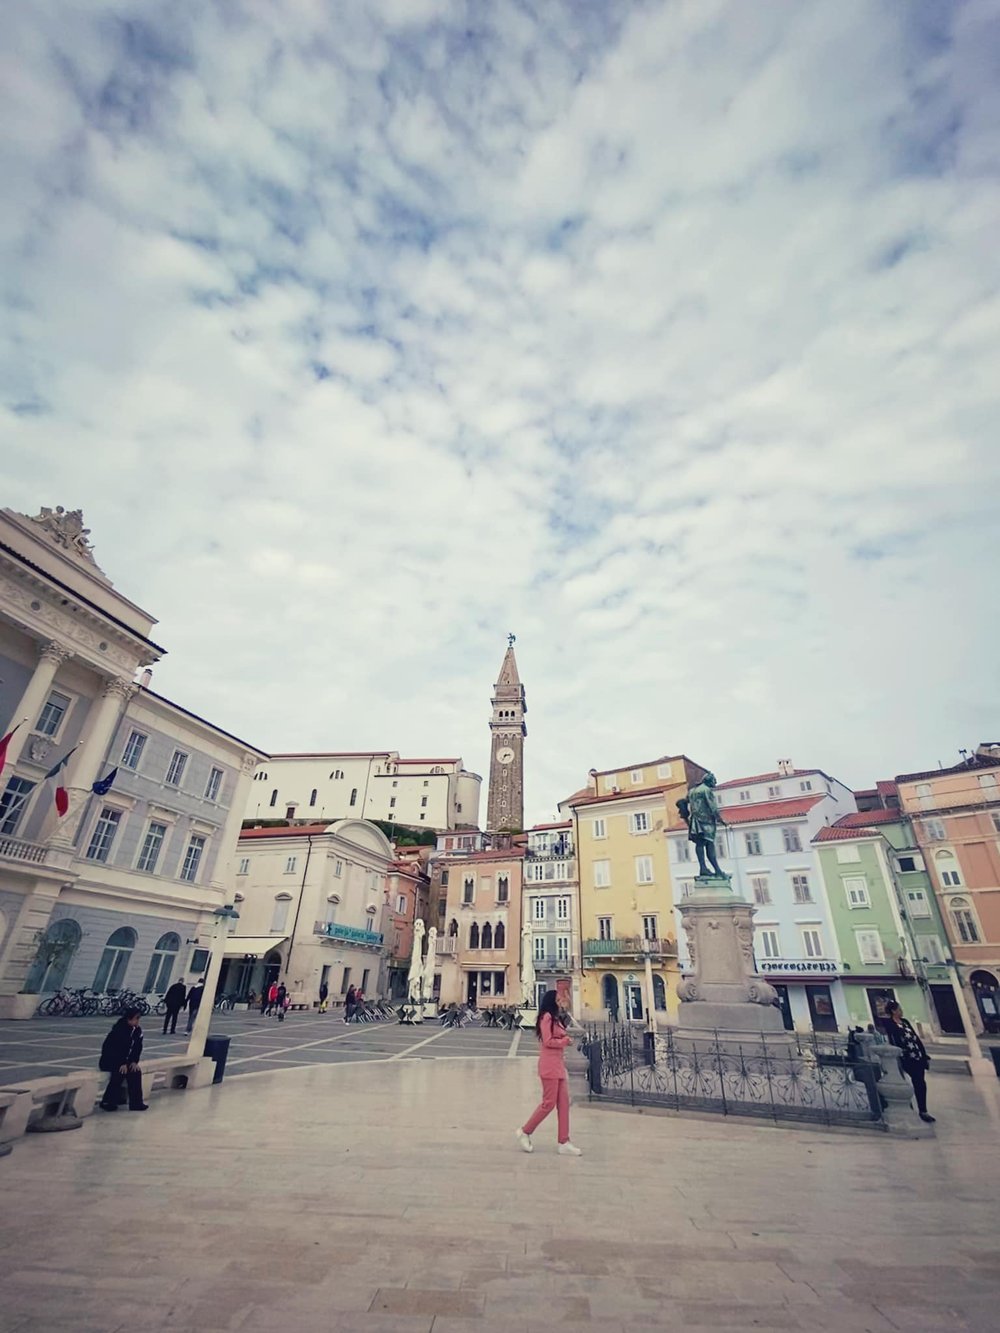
(524, 1140)
(569, 1150)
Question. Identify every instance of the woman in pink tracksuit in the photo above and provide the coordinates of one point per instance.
(552, 1071)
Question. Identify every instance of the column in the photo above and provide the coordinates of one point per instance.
(50, 657)
(90, 756)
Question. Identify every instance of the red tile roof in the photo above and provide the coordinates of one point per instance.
(428, 761)
(837, 833)
(761, 811)
(335, 754)
(971, 765)
(769, 777)
(887, 788)
(542, 828)
(591, 799)
(860, 818)
(299, 831)
(577, 795)
(648, 763)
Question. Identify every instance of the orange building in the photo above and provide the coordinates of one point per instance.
(956, 818)
(406, 896)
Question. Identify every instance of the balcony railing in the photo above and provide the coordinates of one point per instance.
(552, 963)
(632, 947)
(562, 853)
(348, 934)
(446, 945)
(13, 849)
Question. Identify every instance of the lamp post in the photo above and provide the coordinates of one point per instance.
(223, 916)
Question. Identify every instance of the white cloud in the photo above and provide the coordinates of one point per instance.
(664, 334)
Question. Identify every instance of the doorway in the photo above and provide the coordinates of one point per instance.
(949, 1015)
(785, 1004)
(472, 990)
(878, 999)
(986, 989)
(633, 1000)
(821, 1012)
(609, 995)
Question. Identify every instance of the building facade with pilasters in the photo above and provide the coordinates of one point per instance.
(117, 892)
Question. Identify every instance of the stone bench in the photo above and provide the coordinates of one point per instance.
(15, 1106)
(176, 1071)
(70, 1094)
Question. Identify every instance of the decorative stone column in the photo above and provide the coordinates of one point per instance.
(50, 658)
(897, 1094)
(725, 992)
(90, 756)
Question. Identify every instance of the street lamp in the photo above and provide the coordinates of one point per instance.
(223, 916)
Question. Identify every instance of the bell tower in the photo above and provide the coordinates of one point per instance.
(505, 806)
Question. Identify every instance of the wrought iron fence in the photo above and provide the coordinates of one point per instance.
(815, 1078)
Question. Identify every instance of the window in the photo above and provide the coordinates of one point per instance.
(964, 921)
(312, 796)
(931, 946)
(176, 770)
(423, 802)
(923, 789)
(114, 960)
(103, 836)
(468, 889)
(790, 837)
(279, 917)
(214, 784)
(934, 830)
(562, 948)
(769, 943)
(908, 863)
(244, 866)
(338, 868)
(51, 965)
(289, 811)
(150, 854)
(752, 841)
(600, 828)
(774, 791)
(649, 928)
(812, 941)
(639, 822)
(539, 946)
(345, 981)
(562, 909)
(199, 960)
(847, 852)
(192, 858)
(806, 785)
(801, 893)
(134, 747)
(987, 780)
(602, 874)
(869, 946)
(947, 868)
(161, 964)
(744, 795)
(474, 936)
(538, 909)
(605, 928)
(635, 776)
(485, 983)
(664, 771)
(503, 888)
(392, 802)
(644, 870)
(52, 714)
(917, 902)
(761, 889)
(354, 796)
(996, 821)
(290, 863)
(401, 904)
(499, 936)
(13, 803)
(499, 983)
(683, 849)
(856, 889)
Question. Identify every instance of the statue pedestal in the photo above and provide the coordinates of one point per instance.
(724, 992)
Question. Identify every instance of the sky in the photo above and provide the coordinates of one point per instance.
(662, 333)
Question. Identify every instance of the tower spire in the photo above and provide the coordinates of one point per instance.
(505, 805)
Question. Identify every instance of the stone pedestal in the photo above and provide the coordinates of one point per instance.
(724, 993)
(896, 1092)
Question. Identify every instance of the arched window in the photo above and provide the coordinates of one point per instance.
(279, 917)
(452, 928)
(274, 797)
(474, 936)
(659, 992)
(499, 936)
(354, 796)
(948, 871)
(609, 994)
(487, 936)
(312, 796)
(161, 964)
(503, 888)
(964, 921)
(114, 960)
(55, 953)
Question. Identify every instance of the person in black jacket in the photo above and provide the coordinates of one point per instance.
(175, 1000)
(913, 1058)
(194, 1001)
(120, 1057)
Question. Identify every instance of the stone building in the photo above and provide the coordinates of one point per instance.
(118, 891)
(505, 806)
(479, 944)
(549, 903)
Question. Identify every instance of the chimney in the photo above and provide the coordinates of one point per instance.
(785, 767)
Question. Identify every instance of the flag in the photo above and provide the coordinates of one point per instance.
(104, 786)
(62, 795)
(3, 746)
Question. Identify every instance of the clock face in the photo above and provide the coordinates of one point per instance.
(506, 755)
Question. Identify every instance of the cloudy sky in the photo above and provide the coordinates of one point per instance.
(662, 332)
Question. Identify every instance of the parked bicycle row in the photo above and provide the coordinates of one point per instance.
(87, 1003)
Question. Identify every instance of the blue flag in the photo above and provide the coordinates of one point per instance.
(104, 786)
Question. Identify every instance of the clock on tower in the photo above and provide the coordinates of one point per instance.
(505, 804)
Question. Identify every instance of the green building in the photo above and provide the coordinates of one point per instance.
(890, 937)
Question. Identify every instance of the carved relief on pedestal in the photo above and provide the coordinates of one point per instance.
(38, 749)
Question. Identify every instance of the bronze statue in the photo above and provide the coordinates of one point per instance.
(701, 813)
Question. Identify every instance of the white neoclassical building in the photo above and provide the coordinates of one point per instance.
(119, 891)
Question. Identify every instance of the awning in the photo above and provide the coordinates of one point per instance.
(237, 945)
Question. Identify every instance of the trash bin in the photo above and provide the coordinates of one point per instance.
(995, 1052)
(217, 1049)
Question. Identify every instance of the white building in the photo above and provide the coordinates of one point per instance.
(118, 892)
(378, 784)
(549, 896)
(771, 821)
(313, 909)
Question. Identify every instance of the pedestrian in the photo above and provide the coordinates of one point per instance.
(194, 1002)
(552, 1072)
(350, 999)
(913, 1056)
(281, 1002)
(120, 1057)
(324, 992)
(175, 1000)
(272, 997)
(263, 998)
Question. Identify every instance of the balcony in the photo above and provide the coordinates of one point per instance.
(561, 852)
(371, 939)
(13, 849)
(446, 946)
(551, 963)
(632, 947)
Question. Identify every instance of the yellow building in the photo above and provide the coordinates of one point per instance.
(628, 942)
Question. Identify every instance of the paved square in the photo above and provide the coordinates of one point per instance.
(390, 1194)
